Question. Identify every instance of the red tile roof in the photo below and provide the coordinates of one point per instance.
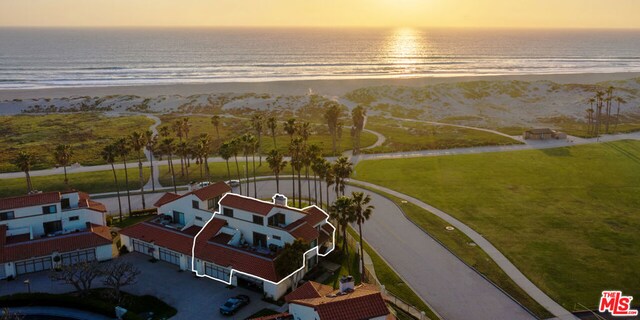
(309, 290)
(211, 191)
(278, 316)
(247, 204)
(171, 239)
(305, 232)
(232, 258)
(314, 215)
(29, 200)
(93, 205)
(166, 198)
(94, 237)
(364, 302)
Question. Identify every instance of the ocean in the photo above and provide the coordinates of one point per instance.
(44, 58)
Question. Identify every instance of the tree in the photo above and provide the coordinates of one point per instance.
(138, 142)
(226, 152)
(599, 105)
(122, 147)
(291, 259)
(178, 130)
(329, 179)
(164, 131)
(109, 154)
(167, 147)
(257, 122)
(248, 142)
(341, 211)
(119, 274)
(332, 116)
(80, 275)
(272, 125)
(235, 147)
(311, 153)
(361, 212)
(62, 155)
(342, 169)
(215, 121)
(182, 149)
(290, 127)
(320, 166)
(609, 100)
(151, 143)
(620, 101)
(305, 131)
(276, 164)
(590, 111)
(358, 115)
(24, 161)
(206, 144)
(297, 153)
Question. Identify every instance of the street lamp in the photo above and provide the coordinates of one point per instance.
(28, 284)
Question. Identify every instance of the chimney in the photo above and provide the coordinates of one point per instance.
(280, 200)
(347, 284)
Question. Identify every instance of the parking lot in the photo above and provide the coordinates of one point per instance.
(193, 297)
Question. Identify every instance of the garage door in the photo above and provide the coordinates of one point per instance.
(33, 265)
(2, 272)
(78, 256)
(169, 256)
(142, 247)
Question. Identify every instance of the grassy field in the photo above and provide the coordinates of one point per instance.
(87, 133)
(579, 128)
(412, 136)
(90, 182)
(566, 217)
(233, 127)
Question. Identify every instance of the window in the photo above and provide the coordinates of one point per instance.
(78, 256)
(212, 204)
(6, 215)
(169, 256)
(142, 247)
(33, 265)
(276, 237)
(65, 203)
(74, 218)
(198, 218)
(277, 220)
(178, 217)
(258, 220)
(216, 272)
(259, 240)
(195, 204)
(52, 227)
(49, 209)
(227, 212)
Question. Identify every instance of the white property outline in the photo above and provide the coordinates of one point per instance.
(233, 270)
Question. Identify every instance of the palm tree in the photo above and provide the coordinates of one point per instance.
(599, 104)
(297, 153)
(319, 168)
(276, 163)
(164, 131)
(151, 143)
(290, 127)
(590, 115)
(341, 211)
(24, 161)
(226, 152)
(138, 142)
(332, 116)
(123, 150)
(362, 212)
(183, 150)
(329, 179)
(235, 146)
(109, 154)
(312, 152)
(200, 153)
(178, 130)
(342, 169)
(63, 154)
(215, 121)
(272, 124)
(167, 147)
(620, 101)
(257, 122)
(609, 100)
(358, 115)
(305, 131)
(248, 142)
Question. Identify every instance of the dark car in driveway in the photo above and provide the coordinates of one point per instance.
(232, 305)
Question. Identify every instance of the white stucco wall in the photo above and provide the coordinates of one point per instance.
(301, 312)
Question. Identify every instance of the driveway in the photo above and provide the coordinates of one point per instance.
(193, 297)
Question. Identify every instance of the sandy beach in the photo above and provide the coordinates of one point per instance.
(296, 87)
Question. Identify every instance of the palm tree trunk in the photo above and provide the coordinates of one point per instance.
(293, 184)
(277, 183)
(228, 170)
(345, 247)
(299, 189)
(206, 167)
(246, 171)
(144, 206)
(153, 180)
(181, 165)
(186, 168)
(28, 180)
(306, 175)
(328, 204)
(275, 146)
(126, 184)
(255, 184)
(115, 179)
(320, 192)
(66, 181)
(362, 278)
(173, 174)
(238, 172)
(315, 188)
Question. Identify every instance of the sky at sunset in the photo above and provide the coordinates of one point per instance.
(325, 13)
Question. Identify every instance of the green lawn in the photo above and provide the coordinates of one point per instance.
(232, 127)
(90, 182)
(579, 128)
(87, 133)
(412, 136)
(566, 217)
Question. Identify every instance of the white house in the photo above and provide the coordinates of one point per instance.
(39, 231)
(239, 244)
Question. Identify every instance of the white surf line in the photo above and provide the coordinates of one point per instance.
(232, 271)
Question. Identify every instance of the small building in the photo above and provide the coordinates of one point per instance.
(543, 134)
(43, 230)
(317, 301)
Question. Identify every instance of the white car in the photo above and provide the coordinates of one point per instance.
(233, 183)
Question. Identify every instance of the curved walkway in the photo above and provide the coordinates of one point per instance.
(459, 126)
(512, 271)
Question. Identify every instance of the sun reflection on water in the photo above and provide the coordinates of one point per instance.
(404, 47)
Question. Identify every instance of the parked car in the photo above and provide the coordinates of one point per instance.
(232, 305)
(233, 183)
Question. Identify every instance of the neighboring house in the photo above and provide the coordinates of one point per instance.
(238, 246)
(315, 301)
(39, 231)
(543, 134)
(169, 237)
(241, 244)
